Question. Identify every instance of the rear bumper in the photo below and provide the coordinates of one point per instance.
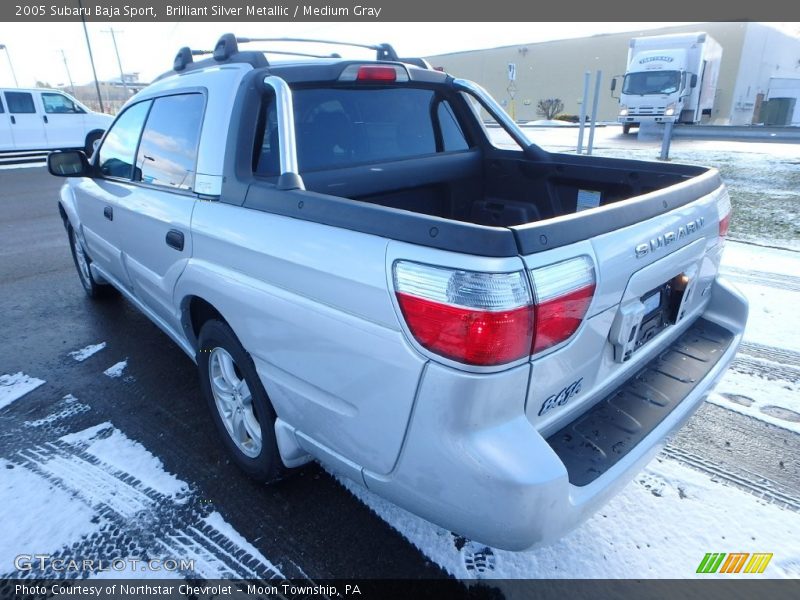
(473, 463)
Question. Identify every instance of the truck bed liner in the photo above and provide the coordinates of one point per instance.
(600, 437)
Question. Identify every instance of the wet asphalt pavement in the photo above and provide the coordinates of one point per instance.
(308, 524)
(309, 521)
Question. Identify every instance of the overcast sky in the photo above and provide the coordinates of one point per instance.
(149, 48)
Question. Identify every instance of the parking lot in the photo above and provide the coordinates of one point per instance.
(107, 448)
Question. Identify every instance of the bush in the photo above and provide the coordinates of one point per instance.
(549, 107)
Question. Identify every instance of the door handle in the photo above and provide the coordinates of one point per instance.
(108, 213)
(45, 118)
(175, 239)
(13, 120)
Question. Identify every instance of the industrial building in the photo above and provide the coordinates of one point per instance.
(759, 80)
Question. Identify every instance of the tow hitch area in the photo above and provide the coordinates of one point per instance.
(640, 321)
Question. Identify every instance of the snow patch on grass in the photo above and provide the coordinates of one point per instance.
(87, 351)
(116, 370)
(15, 386)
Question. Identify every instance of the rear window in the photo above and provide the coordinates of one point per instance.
(338, 127)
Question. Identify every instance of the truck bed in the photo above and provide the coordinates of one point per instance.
(501, 205)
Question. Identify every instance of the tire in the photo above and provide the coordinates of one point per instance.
(88, 149)
(239, 405)
(82, 261)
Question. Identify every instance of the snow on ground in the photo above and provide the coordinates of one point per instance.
(96, 494)
(757, 258)
(116, 370)
(84, 353)
(45, 517)
(772, 319)
(219, 524)
(660, 526)
(746, 395)
(13, 387)
(113, 448)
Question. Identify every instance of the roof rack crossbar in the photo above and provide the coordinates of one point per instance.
(309, 55)
(384, 51)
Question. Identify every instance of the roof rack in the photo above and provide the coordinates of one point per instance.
(227, 50)
(383, 51)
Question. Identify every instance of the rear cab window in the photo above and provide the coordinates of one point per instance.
(340, 127)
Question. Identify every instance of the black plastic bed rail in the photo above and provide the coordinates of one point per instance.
(600, 437)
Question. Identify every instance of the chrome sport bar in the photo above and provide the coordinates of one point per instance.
(290, 176)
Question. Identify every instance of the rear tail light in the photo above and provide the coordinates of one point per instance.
(563, 292)
(724, 213)
(480, 319)
(488, 319)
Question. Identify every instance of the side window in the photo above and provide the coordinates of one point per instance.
(2, 110)
(119, 147)
(59, 104)
(452, 137)
(168, 150)
(20, 102)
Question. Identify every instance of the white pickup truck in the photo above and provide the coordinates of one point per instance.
(45, 119)
(496, 339)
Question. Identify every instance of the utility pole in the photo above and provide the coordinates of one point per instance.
(119, 62)
(69, 75)
(10, 64)
(91, 57)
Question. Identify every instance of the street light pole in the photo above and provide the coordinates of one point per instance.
(91, 57)
(10, 64)
(69, 75)
(119, 62)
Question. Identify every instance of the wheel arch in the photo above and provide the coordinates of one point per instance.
(195, 312)
(87, 147)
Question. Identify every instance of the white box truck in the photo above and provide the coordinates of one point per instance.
(669, 78)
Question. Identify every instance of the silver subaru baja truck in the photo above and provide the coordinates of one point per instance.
(494, 338)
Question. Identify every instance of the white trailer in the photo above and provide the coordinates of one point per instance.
(669, 78)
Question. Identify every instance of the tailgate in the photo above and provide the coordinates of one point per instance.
(652, 280)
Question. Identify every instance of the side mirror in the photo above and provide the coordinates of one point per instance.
(613, 84)
(693, 81)
(68, 163)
